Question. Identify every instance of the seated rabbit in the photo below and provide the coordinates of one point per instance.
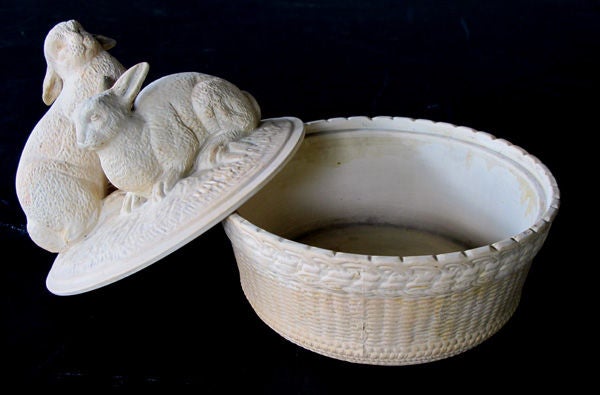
(147, 142)
(59, 186)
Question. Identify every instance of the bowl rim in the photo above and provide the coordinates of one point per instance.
(481, 138)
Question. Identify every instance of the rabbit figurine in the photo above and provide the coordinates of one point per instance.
(59, 186)
(149, 140)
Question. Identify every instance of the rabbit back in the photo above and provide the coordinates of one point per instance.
(53, 140)
(208, 105)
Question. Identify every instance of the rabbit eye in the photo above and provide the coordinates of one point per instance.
(94, 117)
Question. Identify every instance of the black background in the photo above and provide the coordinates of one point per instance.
(524, 71)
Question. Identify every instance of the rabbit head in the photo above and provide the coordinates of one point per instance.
(68, 47)
(102, 117)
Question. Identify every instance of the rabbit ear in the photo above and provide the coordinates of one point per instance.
(106, 42)
(129, 84)
(52, 86)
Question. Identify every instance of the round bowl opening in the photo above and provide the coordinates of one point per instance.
(426, 234)
(400, 187)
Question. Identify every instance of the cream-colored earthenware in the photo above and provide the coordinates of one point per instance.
(393, 241)
(182, 154)
(383, 241)
(60, 187)
(123, 243)
(147, 140)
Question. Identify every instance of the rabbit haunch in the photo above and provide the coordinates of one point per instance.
(149, 140)
(59, 186)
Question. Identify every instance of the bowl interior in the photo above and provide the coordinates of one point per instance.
(401, 191)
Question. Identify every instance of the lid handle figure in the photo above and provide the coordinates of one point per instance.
(149, 140)
(183, 153)
(59, 186)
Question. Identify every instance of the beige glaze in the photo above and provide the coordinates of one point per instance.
(60, 187)
(325, 250)
(147, 140)
(124, 243)
(379, 239)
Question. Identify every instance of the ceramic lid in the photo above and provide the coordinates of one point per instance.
(123, 243)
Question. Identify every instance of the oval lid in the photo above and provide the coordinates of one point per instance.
(124, 243)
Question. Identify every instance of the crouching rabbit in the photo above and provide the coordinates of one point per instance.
(149, 140)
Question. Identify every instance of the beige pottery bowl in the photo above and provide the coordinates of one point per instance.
(393, 241)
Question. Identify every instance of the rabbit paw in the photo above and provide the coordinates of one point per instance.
(226, 155)
(131, 202)
(220, 152)
(207, 158)
(161, 188)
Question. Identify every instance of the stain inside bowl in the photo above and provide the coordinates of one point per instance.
(380, 239)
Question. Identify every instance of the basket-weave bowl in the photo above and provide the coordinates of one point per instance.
(393, 241)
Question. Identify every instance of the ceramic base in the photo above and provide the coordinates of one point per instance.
(393, 241)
